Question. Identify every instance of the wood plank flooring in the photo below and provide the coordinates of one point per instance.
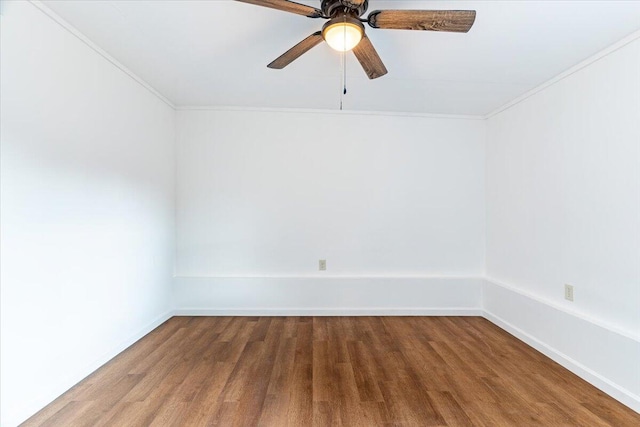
(332, 371)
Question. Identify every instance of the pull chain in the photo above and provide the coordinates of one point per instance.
(344, 65)
(342, 80)
(344, 73)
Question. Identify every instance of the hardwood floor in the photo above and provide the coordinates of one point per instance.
(332, 371)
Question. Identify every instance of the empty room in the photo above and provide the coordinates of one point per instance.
(320, 213)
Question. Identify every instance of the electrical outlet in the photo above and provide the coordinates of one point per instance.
(322, 265)
(568, 292)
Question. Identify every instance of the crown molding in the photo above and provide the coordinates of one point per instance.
(328, 111)
(590, 60)
(585, 63)
(76, 33)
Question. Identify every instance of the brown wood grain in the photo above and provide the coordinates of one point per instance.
(287, 6)
(369, 59)
(457, 21)
(332, 371)
(297, 51)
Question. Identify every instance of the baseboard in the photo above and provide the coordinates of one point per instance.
(329, 312)
(132, 339)
(494, 297)
(328, 296)
(82, 373)
(601, 356)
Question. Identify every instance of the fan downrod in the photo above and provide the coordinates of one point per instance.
(334, 8)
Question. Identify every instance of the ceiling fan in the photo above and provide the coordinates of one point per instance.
(344, 30)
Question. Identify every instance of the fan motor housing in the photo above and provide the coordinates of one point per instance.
(334, 8)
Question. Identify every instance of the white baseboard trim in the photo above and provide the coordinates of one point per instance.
(132, 339)
(328, 296)
(83, 372)
(329, 312)
(619, 393)
(560, 308)
(606, 357)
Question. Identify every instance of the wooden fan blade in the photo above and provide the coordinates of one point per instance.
(287, 6)
(457, 21)
(369, 59)
(297, 51)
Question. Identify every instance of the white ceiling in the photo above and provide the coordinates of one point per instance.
(214, 53)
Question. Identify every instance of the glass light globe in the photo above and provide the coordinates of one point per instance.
(343, 35)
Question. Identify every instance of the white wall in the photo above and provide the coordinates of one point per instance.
(331, 296)
(563, 206)
(266, 194)
(395, 204)
(87, 210)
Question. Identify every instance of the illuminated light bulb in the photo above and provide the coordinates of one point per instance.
(343, 33)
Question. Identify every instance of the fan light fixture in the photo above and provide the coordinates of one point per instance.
(343, 33)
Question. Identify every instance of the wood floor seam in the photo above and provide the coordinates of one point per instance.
(333, 371)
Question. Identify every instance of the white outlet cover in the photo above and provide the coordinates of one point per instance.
(568, 292)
